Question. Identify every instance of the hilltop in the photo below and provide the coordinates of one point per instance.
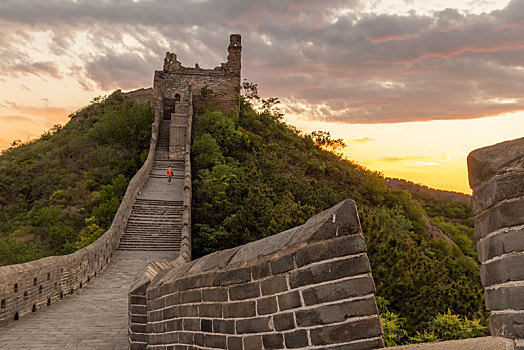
(60, 192)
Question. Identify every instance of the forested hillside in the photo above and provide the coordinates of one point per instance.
(254, 176)
(60, 192)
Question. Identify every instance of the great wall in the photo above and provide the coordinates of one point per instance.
(310, 287)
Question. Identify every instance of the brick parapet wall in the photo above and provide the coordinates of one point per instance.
(137, 293)
(496, 174)
(308, 287)
(29, 287)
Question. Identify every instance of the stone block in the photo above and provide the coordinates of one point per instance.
(282, 264)
(191, 296)
(284, 321)
(509, 268)
(296, 339)
(273, 341)
(214, 294)
(210, 310)
(339, 290)
(328, 271)
(289, 300)
(345, 332)
(239, 309)
(191, 324)
(326, 250)
(199, 339)
(511, 240)
(244, 291)
(274, 285)
(188, 311)
(260, 271)
(186, 338)
(206, 326)
(253, 342)
(503, 298)
(505, 186)
(253, 325)
(336, 312)
(215, 341)
(267, 305)
(235, 276)
(507, 324)
(224, 326)
(234, 343)
(487, 162)
(504, 214)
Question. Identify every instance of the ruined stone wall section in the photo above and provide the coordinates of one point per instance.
(308, 287)
(496, 174)
(30, 287)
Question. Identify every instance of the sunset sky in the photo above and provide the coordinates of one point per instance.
(411, 86)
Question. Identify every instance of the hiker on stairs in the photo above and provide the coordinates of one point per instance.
(169, 174)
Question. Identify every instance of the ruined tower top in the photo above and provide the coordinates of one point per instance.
(234, 52)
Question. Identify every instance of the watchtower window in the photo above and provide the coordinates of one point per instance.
(3, 304)
(177, 98)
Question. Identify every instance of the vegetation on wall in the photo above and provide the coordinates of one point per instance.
(254, 176)
(60, 192)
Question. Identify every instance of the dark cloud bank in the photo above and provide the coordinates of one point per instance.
(326, 62)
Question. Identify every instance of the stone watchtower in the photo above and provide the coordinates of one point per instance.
(177, 86)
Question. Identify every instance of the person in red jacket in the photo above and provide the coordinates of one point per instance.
(169, 175)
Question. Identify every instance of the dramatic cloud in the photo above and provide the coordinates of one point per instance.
(362, 140)
(15, 118)
(328, 60)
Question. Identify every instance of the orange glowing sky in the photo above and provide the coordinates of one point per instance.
(412, 87)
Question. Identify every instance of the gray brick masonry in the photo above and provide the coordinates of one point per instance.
(496, 175)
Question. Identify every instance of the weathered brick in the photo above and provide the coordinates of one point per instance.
(235, 276)
(267, 305)
(498, 189)
(214, 294)
(208, 280)
(191, 296)
(169, 338)
(191, 324)
(326, 250)
(186, 338)
(215, 341)
(173, 299)
(345, 332)
(173, 325)
(329, 271)
(253, 325)
(260, 271)
(210, 310)
(244, 291)
(503, 298)
(336, 312)
(502, 243)
(137, 300)
(274, 285)
(239, 309)
(505, 214)
(289, 300)
(206, 325)
(273, 341)
(509, 325)
(234, 343)
(224, 326)
(509, 268)
(187, 311)
(187, 283)
(253, 342)
(170, 313)
(284, 321)
(283, 264)
(155, 316)
(296, 339)
(339, 290)
(198, 338)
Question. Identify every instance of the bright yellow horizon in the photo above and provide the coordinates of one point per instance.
(432, 153)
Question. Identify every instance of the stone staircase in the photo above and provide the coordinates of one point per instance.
(155, 223)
